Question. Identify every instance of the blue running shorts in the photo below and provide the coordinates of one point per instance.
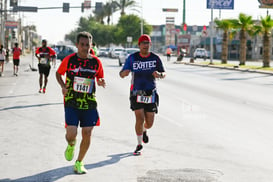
(85, 117)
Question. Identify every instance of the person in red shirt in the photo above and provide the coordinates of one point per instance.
(16, 51)
(82, 71)
(44, 55)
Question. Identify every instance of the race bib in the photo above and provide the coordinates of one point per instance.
(146, 99)
(83, 85)
(43, 61)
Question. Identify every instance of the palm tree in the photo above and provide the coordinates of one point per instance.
(100, 15)
(244, 24)
(226, 25)
(109, 9)
(122, 4)
(265, 28)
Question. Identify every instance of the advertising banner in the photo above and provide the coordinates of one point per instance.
(220, 4)
(266, 3)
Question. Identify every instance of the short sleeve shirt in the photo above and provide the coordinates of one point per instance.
(142, 69)
(80, 79)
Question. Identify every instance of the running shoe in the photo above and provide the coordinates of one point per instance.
(145, 137)
(40, 91)
(44, 89)
(79, 168)
(138, 148)
(69, 152)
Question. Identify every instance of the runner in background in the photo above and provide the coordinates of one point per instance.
(44, 55)
(16, 51)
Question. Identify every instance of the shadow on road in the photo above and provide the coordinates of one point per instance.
(14, 96)
(27, 106)
(55, 174)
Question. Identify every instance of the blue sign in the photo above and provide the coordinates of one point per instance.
(220, 4)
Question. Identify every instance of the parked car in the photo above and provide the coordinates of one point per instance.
(125, 53)
(103, 52)
(65, 50)
(114, 53)
(200, 53)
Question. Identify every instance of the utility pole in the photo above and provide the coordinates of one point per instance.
(6, 29)
(211, 32)
(2, 23)
(141, 26)
(184, 16)
(184, 11)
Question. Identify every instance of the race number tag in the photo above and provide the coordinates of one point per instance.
(83, 85)
(145, 99)
(43, 61)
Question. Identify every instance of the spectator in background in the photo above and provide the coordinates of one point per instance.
(169, 53)
(2, 59)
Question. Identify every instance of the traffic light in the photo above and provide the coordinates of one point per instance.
(185, 27)
(13, 34)
(66, 7)
(13, 3)
(98, 7)
(82, 7)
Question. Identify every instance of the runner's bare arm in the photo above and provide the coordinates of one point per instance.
(157, 74)
(101, 82)
(61, 83)
(124, 73)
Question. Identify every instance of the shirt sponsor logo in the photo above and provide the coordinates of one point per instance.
(144, 65)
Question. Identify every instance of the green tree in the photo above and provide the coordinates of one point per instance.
(265, 28)
(226, 25)
(102, 34)
(129, 25)
(245, 24)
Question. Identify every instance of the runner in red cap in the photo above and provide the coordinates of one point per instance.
(145, 67)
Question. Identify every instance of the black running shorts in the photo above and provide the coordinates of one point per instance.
(16, 62)
(147, 107)
(44, 69)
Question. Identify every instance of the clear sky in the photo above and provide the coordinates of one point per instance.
(54, 24)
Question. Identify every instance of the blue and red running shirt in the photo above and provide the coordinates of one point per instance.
(142, 69)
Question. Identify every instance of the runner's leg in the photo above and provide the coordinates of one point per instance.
(85, 143)
(149, 119)
(71, 133)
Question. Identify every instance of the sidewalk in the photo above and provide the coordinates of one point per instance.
(236, 67)
(26, 61)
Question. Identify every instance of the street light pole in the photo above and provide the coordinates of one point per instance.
(141, 26)
(211, 32)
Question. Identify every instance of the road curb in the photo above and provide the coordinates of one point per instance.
(227, 68)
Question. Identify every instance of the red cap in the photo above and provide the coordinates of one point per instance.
(143, 38)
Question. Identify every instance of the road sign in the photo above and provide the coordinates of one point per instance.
(25, 8)
(220, 4)
(170, 10)
(129, 39)
(11, 24)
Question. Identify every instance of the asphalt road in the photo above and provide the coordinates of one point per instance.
(213, 125)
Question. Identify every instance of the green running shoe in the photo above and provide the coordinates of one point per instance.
(69, 152)
(79, 168)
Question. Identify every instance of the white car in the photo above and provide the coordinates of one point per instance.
(200, 53)
(125, 53)
(103, 52)
(114, 53)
